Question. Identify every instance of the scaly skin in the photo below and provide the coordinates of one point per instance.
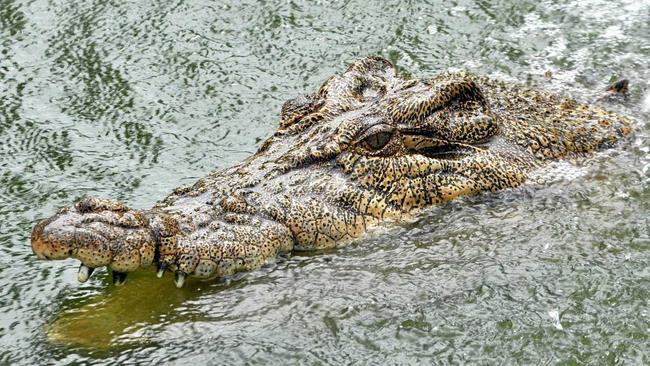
(368, 147)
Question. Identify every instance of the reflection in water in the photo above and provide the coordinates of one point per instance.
(116, 315)
(128, 100)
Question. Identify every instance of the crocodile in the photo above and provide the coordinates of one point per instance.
(369, 147)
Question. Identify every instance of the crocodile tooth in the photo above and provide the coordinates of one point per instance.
(179, 279)
(119, 278)
(84, 273)
(162, 267)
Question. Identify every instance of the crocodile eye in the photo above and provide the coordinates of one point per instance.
(378, 140)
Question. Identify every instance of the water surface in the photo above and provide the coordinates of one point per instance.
(130, 99)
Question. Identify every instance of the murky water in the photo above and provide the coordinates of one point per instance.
(131, 99)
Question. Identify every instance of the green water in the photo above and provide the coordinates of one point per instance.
(130, 99)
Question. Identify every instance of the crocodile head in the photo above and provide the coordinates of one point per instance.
(367, 147)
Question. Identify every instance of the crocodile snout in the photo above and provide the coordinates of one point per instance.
(98, 233)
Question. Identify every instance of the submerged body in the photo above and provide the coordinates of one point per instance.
(368, 147)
